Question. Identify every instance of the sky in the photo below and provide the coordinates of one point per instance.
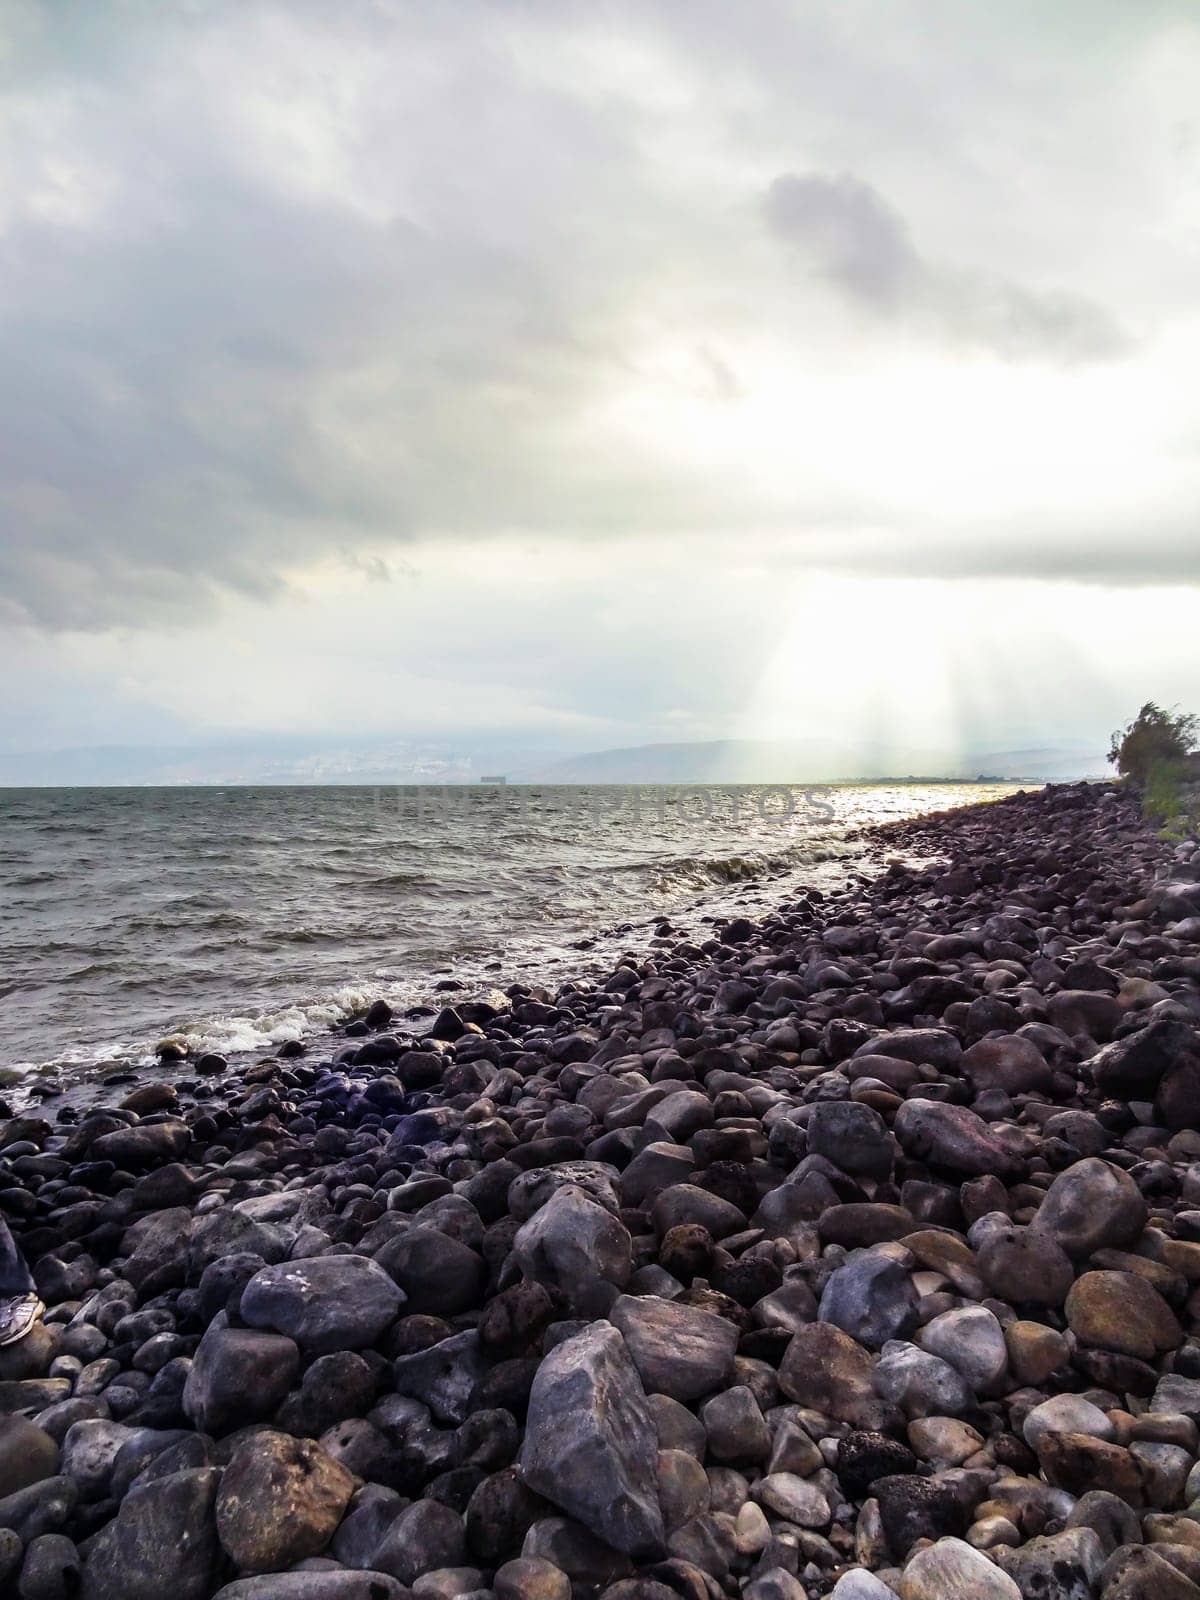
(581, 375)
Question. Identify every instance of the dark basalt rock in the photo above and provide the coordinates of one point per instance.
(590, 1445)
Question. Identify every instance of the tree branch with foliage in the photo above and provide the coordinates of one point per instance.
(1154, 753)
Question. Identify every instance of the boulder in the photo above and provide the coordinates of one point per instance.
(1132, 1067)
(1024, 1267)
(871, 1298)
(51, 1569)
(735, 1430)
(42, 1507)
(324, 1303)
(921, 1384)
(442, 1377)
(828, 1371)
(678, 1350)
(147, 1145)
(280, 1500)
(1077, 1462)
(332, 1585)
(162, 1542)
(529, 1191)
(863, 1456)
(440, 1276)
(1091, 1206)
(1006, 1062)
(238, 1375)
(28, 1454)
(1065, 1413)
(971, 1339)
(1121, 1311)
(590, 1444)
(954, 1570)
(1138, 1572)
(574, 1245)
(426, 1536)
(914, 1508)
(795, 1499)
(530, 1578)
(852, 1136)
(953, 1139)
(1060, 1566)
(89, 1449)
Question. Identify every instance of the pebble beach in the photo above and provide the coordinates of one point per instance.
(850, 1249)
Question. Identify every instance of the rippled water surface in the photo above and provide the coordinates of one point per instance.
(244, 916)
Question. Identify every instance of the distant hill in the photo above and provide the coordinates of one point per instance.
(811, 761)
(432, 761)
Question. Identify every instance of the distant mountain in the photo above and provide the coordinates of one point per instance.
(812, 761)
(262, 761)
(400, 761)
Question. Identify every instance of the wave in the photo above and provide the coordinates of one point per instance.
(231, 1033)
(703, 871)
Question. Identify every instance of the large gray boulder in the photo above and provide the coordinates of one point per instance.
(440, 1276)
(315, 1586)
(163, 1541)
(953, 1139)
(88, 1451)
(951, 1569)
(1060, 1566)
(971, 1339)
(577, 1246)
(681, 1351)
(590, 1443)
(442, 1377)
(852, 1136)
(871, 1298)
(1091, 1206)
(425, 1537)
(324, 1303)
(238, 1375)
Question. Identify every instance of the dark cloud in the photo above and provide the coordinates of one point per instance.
(293, 283)
(850, 234)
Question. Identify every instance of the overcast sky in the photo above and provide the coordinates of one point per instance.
(597, 373)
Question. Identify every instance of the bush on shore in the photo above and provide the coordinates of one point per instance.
(1156, 755)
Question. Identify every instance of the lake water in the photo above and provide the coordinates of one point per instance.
(242, 917)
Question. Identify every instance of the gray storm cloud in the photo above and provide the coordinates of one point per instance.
(294, 283)
(860, 243)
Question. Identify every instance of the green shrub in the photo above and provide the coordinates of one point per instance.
(1153, 753)
(1154, 739)
(1163, 796)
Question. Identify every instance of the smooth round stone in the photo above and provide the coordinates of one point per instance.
(861, 1585)
(990, 1532)
(1066, 1413)
(793, 1498)
(952, 1570)
(683, 1490)
(971, 1339)
(1120, 1311)
(1035, 1351)
(751, 1530)
(944, 1440)
(531, 1578)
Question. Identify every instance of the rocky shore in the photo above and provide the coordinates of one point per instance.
(852, 1250)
